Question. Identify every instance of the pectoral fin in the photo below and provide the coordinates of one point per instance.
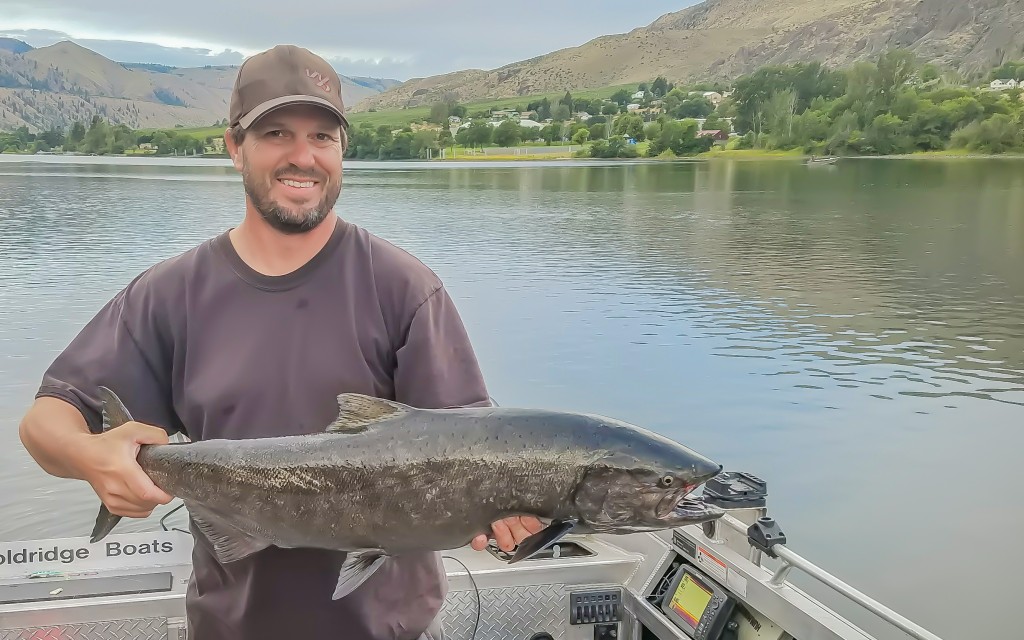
(542, 539)
(229, 543)
(356, 569)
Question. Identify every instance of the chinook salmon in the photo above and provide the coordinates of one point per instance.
(386, 478)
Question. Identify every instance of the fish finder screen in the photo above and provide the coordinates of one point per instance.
(690, 599)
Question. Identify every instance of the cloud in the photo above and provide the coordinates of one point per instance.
(387, 38)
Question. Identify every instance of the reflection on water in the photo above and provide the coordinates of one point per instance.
(853, 334)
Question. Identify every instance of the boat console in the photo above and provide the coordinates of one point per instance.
(695, 583)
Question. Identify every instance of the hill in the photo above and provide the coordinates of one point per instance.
(58, 85)
(722, 39)
(14, 46)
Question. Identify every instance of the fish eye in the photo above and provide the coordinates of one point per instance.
(667, 481)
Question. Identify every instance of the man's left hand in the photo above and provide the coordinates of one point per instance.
(509, 532)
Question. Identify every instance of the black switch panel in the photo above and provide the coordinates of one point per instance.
(591, 607)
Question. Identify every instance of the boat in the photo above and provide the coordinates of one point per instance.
(814, 161)
(724, 580)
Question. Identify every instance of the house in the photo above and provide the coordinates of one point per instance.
(504, 114)
(639, 95)
(1003, 85)
(714, 97)
(632, 107)
(715, 134)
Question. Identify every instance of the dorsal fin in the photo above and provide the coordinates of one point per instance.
(114, 412)
(356, 412)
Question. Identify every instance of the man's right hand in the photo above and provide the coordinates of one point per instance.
(108, 462)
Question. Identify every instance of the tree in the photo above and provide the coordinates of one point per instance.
(77, 134)
(621, 97)
(998, 134)
(699, 107)
(613, 148)
(887, 134)
(478, 134)
(679, 137)
(581, 136)
(716, 123)
(807, 81)
(660, 87)
(98, 138)
(444, 138)
(552, 132)
(929, 73)
(893, 70)
(544, 110)
(631, 125)
(507, 134)
(779, 112)
(1008, 71)
(561, 113)
(439, 113)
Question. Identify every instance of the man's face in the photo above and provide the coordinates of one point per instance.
(290, 162)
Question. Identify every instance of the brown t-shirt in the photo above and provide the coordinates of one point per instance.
(205, 345)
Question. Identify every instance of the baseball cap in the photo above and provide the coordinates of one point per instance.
(281, 76)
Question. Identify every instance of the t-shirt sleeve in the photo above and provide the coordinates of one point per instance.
(436, 365)
(124, 348)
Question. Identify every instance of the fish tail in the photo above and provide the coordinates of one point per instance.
(114, 414)
(105, 523)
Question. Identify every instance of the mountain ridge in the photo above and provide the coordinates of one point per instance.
(719, 40)
(63, 83)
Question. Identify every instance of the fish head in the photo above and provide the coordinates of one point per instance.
(645, 486)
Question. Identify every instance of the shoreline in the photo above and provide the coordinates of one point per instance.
(732, 154)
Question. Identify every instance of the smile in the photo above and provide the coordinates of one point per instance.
(297, 184)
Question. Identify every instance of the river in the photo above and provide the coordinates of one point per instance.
(852, 334)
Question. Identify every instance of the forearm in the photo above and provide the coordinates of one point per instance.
(53, 432)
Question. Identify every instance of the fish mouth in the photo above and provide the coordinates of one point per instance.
(668, 504)
(695, 509)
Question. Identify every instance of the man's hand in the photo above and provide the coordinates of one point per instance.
(509, 532)
(108, 463)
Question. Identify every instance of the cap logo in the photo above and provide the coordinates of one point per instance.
(322, 82)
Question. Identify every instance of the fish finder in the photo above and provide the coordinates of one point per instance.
(696, 604)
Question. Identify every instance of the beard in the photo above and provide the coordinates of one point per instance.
(284, 219)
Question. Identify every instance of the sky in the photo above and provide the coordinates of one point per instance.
(397, 39)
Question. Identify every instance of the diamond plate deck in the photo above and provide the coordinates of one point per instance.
(135, 629)
(510, 612)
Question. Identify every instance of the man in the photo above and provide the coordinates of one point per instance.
(253, 334)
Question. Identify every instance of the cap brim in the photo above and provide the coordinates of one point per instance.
(263, 109)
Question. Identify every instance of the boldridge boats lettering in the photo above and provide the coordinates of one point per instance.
(67, 555)
(118, 549)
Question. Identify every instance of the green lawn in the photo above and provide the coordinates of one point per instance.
(200, 133)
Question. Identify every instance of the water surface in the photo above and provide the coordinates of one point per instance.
(852, 334)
